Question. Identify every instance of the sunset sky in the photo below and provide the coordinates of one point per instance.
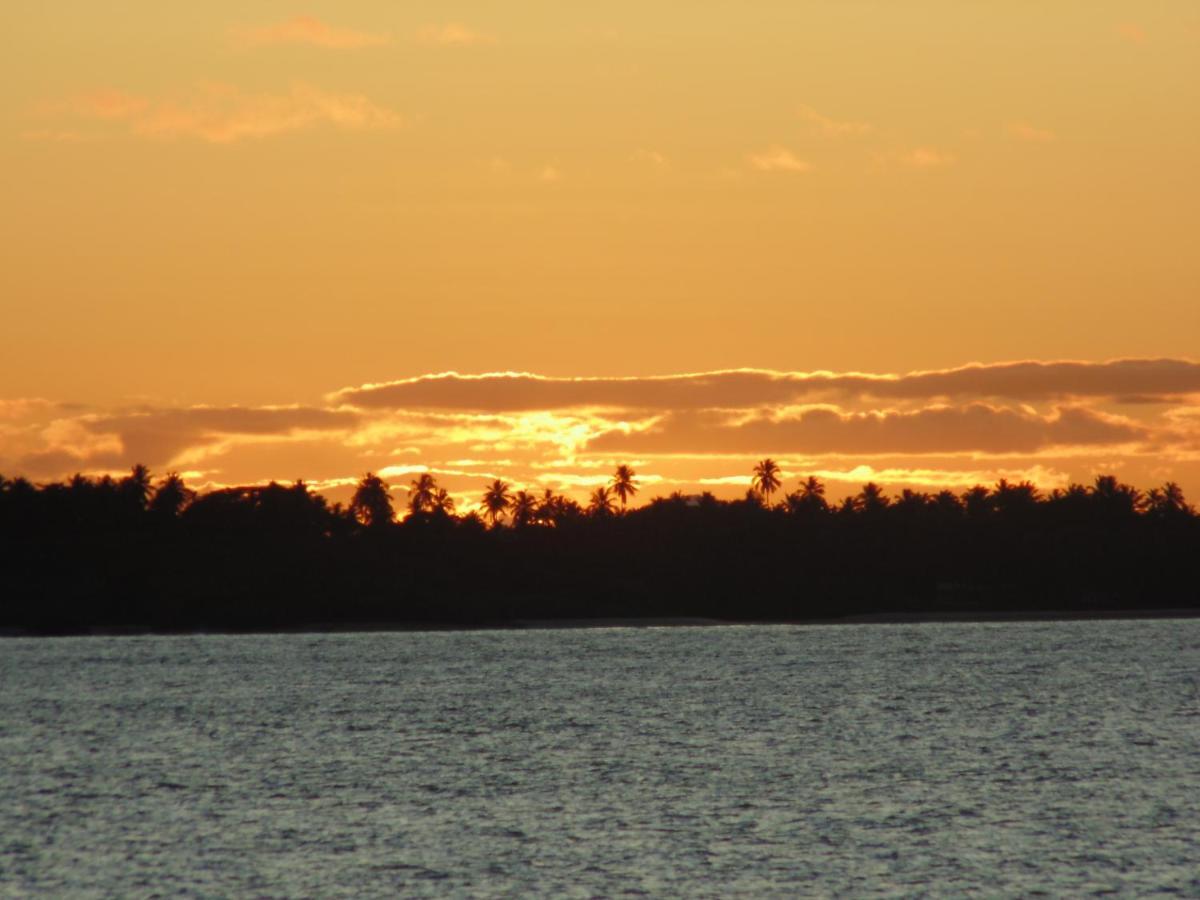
(921, 242)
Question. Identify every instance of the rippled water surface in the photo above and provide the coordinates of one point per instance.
(905, 759)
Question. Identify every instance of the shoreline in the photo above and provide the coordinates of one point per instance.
(568, 624)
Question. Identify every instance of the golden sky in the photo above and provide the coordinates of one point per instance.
(220, 220)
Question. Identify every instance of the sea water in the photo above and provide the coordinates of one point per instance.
(1001, 758)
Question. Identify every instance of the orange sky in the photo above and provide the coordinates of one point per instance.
(217, 218)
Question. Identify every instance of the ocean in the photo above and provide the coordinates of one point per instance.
(918, 759)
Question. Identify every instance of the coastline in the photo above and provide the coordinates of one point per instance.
(632, 622)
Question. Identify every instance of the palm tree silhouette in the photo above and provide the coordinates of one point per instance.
(1115, 498)
(977, 502)
(1167, 501)
(171, 496)
(871, 498)
(495, 500)
(136, 486)
(810, 497)
(623, 484)
(421, 493)
(523, 507)
(766, 479)
(442, 503)
(946, 502)
(812, 487)
(601, 503)
(372, 501)
(1014, 499)
(549, 508)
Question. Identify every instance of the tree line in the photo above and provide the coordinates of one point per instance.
(135, 553)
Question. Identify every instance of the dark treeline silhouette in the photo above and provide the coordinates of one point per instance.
(131, 553)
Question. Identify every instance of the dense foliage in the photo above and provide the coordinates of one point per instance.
(128, 553)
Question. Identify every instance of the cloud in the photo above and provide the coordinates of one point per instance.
(453, 34)
(688, 430)
(223, 114)
(109, 103)
(927, 158)
(158, 436)
(1026, 381)
(1023, 131)
(653, 157)
(308, 31)
(161, 436)
(778, 159)
(55, 136)
(973, 428)
(832, 127)
(18, 408)
(1043, 477)
(550, 174)
(1132, 33)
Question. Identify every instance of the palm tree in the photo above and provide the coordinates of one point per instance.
(1173, 495)
(1114, 498)
(421, 493)
(810, 496)
(601, 503)
(1167, 501)
(372, 501)
(623, 484)
(1014, 499)
(549, 508)
(871, 498)
(812, 487)
(523, 507)
(977, 502)
(495, 500)
(136, 486)
(766, 479)
(912, 503)
(171, 496)
(947, 503)
(443, 503)
(564, 509)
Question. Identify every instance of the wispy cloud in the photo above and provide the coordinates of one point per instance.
(778, 159)
(949, 427)
(452, 34)
(308, 31)
(222, 114)
(971, 428)
(1023, 131)
(1132, 33)
(159, 436)
(550, 174)
(653, 157)
(1044, 477)
(17, 408)
(56, 136)
(927, 158)
(109, 103)
(1028, 381)
(832, 127)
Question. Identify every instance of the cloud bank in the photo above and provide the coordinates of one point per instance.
(1027, 381)
(306, 30)
(1049, 421)
(223, 114)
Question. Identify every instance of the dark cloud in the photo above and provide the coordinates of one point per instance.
(1024, 381)
(156, 436)
(48, 463)
(974, 427)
